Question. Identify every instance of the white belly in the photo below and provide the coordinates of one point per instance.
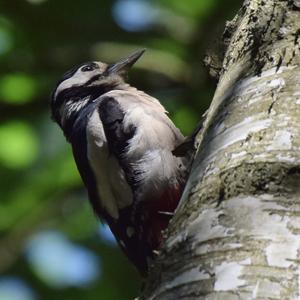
(113, 189)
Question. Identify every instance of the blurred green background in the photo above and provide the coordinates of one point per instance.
(51, 244)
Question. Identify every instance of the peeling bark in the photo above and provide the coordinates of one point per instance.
(236, 233)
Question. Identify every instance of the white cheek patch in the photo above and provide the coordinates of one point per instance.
(79, 78)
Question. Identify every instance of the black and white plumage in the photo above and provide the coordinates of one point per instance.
(122, 141)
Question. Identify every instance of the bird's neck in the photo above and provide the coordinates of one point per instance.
(75, 111)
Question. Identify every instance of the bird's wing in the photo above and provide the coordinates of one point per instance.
(141, 136)
(111, 117)
(117, 135)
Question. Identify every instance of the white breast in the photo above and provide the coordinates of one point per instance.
(114, 191)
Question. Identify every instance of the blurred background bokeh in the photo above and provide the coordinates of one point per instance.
(51, 244)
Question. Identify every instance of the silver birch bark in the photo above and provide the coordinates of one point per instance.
(236, 233)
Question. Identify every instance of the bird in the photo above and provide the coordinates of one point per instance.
(123, 143)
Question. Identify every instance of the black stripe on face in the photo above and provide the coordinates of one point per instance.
(77, 91)
(66, 76)
(93, 79)
(55, 105)
(70, 74)
(77, 94)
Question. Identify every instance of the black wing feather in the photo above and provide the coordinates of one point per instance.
(118, 137)
(112, 117)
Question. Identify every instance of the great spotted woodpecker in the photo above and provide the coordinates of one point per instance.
(122, 142)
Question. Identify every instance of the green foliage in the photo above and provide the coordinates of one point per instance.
(16, 136)
(6, 37)
(40, 187)
(186, 119)
(17, 88)
(194, 8)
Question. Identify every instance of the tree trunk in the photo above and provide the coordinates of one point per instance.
(236, 233)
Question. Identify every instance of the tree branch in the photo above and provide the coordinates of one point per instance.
(236, 233)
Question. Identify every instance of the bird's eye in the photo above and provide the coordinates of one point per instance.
(88, 68)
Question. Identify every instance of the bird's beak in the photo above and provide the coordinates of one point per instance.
(124, 65)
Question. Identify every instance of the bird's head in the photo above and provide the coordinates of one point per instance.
(82, 84)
